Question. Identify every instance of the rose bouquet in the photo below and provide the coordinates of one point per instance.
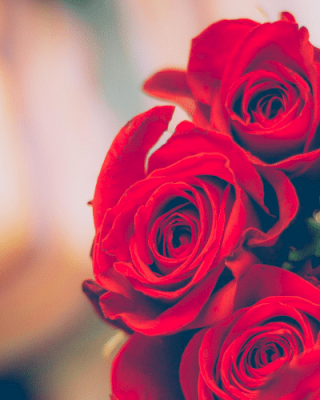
(207, 250)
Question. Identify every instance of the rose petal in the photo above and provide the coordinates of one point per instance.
(263, 281)
(93, 291)
(130, 147)
(154, 321)
(288, 204)
(189, 367)
(286, 16)
(210, 54)
(171, 84)
(189, 140)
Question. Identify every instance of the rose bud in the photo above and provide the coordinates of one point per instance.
(172, 231)
(257, 82)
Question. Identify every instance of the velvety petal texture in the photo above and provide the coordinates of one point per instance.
(172, 230)
(272, 325)
(257, 82)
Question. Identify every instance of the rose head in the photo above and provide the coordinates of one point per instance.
(166, 233)
(237, 356)
(269, 337)
(257, 82)
(243, 356)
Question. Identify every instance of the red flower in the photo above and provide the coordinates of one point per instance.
(165, 234)
(240, 357)
(249, 355)
(257, 82)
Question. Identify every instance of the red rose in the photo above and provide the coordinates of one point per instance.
(238, 358)
(165, 234)
(243, 357)
(257, 82)
(149, 366)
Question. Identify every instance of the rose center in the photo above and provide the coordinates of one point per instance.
(264, 354)
(267, 104)
(176, 234)
(181, 236)
(270, 107)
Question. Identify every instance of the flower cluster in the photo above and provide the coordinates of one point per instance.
(206, 251)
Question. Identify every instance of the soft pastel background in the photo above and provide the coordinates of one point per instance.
(70, 77)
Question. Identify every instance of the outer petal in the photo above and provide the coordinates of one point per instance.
(171, 84)
(148, 368)
(286, 16)
(272, 281)
(287, 203)
(210, 54)
(155, 321)
(316, 54)
(93, 291)
(263, 281)
(189, 368)
(125, 160)
(299, 164)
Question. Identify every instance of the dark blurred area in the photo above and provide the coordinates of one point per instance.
(13, 387)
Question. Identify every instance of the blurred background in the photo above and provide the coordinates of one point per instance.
(70, 78)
